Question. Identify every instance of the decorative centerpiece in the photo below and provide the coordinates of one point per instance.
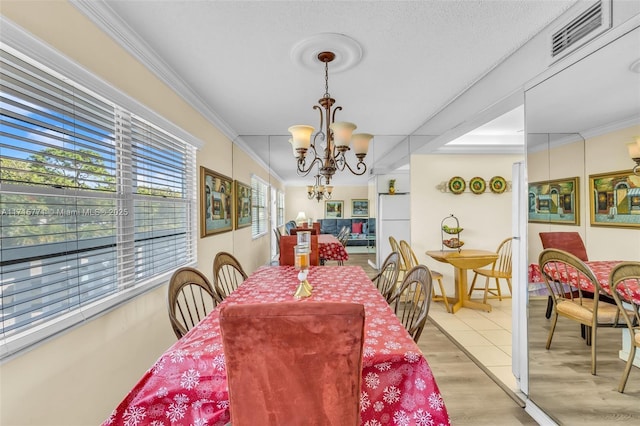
(302, 256)
(447, 230)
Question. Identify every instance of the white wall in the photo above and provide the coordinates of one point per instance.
(486, 218)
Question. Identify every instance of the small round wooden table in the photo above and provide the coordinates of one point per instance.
(463, 261)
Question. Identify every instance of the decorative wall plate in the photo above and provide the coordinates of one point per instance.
(477, 185)
(498, 185)
(457, 185)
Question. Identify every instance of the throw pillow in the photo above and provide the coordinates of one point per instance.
(356, 228)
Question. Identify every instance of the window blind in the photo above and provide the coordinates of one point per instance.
(93, 199)
(280, 209)
(259, 206)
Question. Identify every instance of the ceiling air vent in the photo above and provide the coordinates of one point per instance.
(593, 21)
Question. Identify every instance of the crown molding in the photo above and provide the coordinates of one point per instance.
(24, 45)
(108, 21)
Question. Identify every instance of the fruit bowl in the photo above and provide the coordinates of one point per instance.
(452, 230)
(453, 243)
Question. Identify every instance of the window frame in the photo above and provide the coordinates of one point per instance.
(258, 183)
(24, 46)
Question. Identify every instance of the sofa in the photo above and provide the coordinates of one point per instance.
(363, 230)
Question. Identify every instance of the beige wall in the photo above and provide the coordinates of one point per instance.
(79, 377)
(601, 154)
(486, 218)
(296, 200)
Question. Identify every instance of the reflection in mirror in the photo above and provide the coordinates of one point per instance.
(578, 122)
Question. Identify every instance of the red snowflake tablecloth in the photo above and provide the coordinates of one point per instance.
(331, 248)
(188, 385)
(601, 270)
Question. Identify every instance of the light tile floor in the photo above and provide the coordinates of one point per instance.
(485, 335)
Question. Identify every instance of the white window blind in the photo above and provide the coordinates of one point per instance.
(280, 208)
(259, 190)
(93, 200)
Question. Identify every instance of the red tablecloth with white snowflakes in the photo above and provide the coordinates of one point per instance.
(601, 270)
(330, 248)
(188, 385)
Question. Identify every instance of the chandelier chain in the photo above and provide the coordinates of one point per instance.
(326, 80)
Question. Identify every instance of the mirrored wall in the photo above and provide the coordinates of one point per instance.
(578, 123)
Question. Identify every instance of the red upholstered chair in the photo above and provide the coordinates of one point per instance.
(316, 226)
(295, 231)
(571, 242)
(293, 363)
(287, 242)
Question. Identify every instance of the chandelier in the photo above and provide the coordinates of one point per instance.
(318, 190)
(338, 137)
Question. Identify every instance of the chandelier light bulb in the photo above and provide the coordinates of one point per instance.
(301, 136)
(361, 144)
(342, 131)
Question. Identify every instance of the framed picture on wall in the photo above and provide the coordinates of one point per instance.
(359, 208)
(216, 202)
(615, 199)
(555, 201)
(333, 209)
(242, 194)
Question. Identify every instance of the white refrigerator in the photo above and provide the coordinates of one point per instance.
(393, 220)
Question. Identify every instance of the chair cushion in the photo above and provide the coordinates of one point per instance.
(636, 337)
(293, 363)
(584, 313)
(356, 227)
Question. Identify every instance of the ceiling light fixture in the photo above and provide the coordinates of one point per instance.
(319, 191)
(634, 153)
(337, 135)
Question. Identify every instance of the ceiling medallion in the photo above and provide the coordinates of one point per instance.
(347, 52)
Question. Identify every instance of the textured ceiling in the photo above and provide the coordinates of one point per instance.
(234, 58)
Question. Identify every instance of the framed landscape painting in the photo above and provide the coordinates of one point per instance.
(243, 205)
(615, 199)
(359, 208)
(333, 209)
(216, 201)
(555, 201)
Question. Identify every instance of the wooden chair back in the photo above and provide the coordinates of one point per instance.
(190, 298)
(412, 299)
(624, 285)
(386, 279)
(396, 247)
(227, 274)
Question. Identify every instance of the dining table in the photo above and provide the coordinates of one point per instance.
(462, 261)
(331, 248)
(601, 271)
(187, 385)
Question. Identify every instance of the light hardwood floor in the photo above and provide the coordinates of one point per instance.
(470, 395)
